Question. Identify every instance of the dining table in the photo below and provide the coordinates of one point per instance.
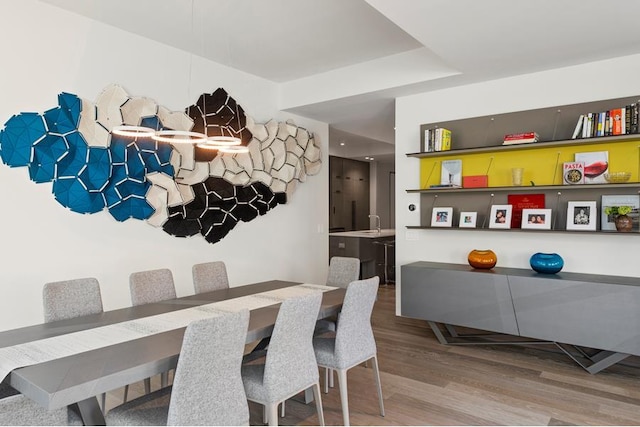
(75, 380)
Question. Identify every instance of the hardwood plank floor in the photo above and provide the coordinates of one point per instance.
(426, 383)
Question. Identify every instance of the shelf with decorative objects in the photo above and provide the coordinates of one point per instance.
(477, 178)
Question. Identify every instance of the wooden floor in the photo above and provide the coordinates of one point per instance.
(426, 383)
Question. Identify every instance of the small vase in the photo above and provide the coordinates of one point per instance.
(546, 263)
(482, 259)
(623, 223)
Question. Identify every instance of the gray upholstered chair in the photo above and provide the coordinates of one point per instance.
(17, 410)
(209, 276)
(207, 388)
(342, 271)
(71, 298)
(290, 365)
(151, 286)
(147, 287)
(353, 342)
(68, 299)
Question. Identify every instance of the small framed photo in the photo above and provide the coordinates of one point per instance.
(442, 217)
(539, 219)
(500, 216)
(468, 219)
(582, 216)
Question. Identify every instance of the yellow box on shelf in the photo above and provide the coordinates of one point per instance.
(542, 165)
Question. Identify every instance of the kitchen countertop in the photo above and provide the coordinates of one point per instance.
(367, 234)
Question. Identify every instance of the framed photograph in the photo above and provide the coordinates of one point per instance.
(610, 200)
(500, 216)
(442, 217)
(468, 219)
(539, 219)
(582, 216)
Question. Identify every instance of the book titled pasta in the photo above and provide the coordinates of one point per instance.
(573, 173)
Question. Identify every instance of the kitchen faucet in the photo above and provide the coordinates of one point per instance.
(377, 222)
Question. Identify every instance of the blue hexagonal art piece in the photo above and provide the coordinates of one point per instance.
(70, 192)
(18, 136)
(46, 154)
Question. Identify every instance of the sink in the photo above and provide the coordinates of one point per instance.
(368, 231)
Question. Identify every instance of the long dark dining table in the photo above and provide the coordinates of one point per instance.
(76, 380)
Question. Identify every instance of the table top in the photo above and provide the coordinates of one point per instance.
(68, 380)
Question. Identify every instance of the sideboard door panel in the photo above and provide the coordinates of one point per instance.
(459, 296)
(579, 312)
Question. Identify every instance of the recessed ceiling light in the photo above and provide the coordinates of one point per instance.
(342, 143)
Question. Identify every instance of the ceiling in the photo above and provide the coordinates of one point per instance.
(345, 61)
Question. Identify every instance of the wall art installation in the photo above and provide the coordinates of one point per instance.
(171, 186)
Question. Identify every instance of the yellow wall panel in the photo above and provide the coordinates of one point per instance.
(542, 166)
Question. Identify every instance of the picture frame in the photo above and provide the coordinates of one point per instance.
(582, 215)
(442, 217)
(537, 219)
(468, 219)
(633, 200)
(500, 216)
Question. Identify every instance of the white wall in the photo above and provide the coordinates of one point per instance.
(586, 253)
(46, 51)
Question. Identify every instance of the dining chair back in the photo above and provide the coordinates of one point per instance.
(207, 388)
(151, 286)
(290, 364)
(147, 287)
(18, 410)
(353, 342)
(210, 276)
(68, 299)
(342, 271)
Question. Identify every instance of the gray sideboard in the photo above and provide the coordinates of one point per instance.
(568, 309)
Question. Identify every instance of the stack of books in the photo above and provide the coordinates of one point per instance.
(436, 139)
(520, 138)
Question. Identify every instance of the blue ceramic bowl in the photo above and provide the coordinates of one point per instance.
(546, 263)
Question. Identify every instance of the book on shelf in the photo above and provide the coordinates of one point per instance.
(596, 164)
(451, 173)
(573, 173)
(622, 120)
(578, 129)
(520, 138)
(436, 139)
(523, 201)
(445, 186)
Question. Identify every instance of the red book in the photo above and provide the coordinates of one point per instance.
(523, 201)
(617, 119)
(525, 135)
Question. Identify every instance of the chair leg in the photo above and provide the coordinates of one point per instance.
(318, 399)
(330, 377)
(103, 400)
(376, 377)
(344, 395)
(126, 394)
(147, 385)
(326, 380)
(282, 409)
(272, 414)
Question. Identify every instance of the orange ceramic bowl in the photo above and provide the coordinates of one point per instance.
(483, 259)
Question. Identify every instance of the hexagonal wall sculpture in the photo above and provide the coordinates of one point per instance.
(166, 185)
